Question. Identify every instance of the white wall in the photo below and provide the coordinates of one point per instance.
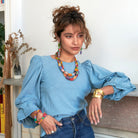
(113, 25)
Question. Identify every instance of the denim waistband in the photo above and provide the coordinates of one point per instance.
(79, 116)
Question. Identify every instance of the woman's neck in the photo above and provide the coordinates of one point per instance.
(66, 57)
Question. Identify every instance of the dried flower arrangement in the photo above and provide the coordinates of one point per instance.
(14, 47)
(15, 44)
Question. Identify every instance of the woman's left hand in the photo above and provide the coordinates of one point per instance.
(95, 110)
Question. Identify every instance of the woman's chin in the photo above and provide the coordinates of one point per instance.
(75, 52)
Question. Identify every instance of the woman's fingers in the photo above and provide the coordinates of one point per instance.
(49, 124)
(52, 126)
(95, 110)
(51, 129)
(100, 111)
(90, 114)
(93, 115)
(48, 131)
(57, 122)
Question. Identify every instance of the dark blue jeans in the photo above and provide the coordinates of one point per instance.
(77, 126)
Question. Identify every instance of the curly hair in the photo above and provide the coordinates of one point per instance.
(66, 15)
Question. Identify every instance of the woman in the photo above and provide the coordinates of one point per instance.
(54, 88)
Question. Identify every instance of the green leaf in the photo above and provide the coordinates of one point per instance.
(2, 61)
(1, 73)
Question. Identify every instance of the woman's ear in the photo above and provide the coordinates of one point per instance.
(57, 38)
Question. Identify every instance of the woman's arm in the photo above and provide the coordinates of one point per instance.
(108, 90)
(115, 86)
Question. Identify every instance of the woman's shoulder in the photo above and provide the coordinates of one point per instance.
(43, 60)
(86, 63)
(36, 57)
(40, 58)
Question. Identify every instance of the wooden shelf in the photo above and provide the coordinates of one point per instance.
(14, 82)
(2, 7)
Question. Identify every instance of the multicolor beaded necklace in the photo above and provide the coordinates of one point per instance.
(68, 76)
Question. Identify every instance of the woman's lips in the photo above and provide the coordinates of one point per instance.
(75, 48)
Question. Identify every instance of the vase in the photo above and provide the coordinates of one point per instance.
(17, 69)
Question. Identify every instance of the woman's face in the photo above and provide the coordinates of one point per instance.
(71, 40)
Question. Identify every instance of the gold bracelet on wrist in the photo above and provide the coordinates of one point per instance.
(98, 93)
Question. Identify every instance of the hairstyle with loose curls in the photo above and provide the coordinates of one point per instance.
(66, 15)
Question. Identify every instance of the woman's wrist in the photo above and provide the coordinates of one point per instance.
(98, 93)
(33, 114)
(106, 90)
(38, 116)
(42, 118)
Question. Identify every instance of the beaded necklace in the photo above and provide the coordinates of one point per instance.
(68, 76)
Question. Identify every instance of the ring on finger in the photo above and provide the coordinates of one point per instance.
(92, 113)
(52, 131)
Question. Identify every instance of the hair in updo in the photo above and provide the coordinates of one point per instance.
(66, 15)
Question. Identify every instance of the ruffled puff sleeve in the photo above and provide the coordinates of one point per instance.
(28, 100)
(100, 77)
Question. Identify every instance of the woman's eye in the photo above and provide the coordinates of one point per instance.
(68, 36)
(81, 35)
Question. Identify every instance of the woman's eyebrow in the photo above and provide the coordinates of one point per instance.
(72, 34)
(81, 33)
(68, 34)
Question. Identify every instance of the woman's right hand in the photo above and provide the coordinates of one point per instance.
(49, 124)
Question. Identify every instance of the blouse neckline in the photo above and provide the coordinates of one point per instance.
(62, 61)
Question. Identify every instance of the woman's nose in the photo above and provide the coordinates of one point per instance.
(75, 40)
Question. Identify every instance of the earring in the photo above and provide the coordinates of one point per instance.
(59, 49)
(81, 51)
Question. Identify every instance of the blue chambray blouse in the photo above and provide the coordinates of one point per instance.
(45, 87)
